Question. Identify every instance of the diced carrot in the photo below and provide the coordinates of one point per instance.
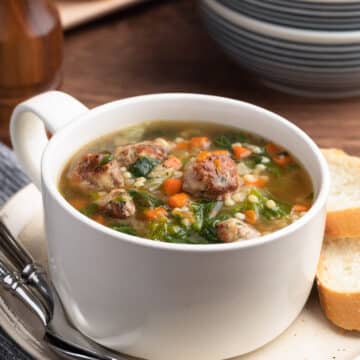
(300, 208)
(183, 145)
(156, 213)
(220, 152)
(257, 182)
(78, 203)
(241, 152)
(273, 149)
(282, 160)
(178, 200)
(278, 155)
(172, 186)
(250, 216)
(99, 219)
(173, 162)
(217, 163)
(200, 142)
(203, 155)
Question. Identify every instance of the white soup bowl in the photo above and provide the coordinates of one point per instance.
(158, 300)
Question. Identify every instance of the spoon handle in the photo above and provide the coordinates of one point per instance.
(59, 334)
(12, 283)
(31, 273)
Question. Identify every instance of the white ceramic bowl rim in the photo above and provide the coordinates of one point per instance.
(318, 204)
(283, 32)
(332, 1)
(308, 4)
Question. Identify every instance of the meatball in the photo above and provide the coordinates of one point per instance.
(97, 171)
(232, 229)
(117, 203)
(127, 154)
(211, 175)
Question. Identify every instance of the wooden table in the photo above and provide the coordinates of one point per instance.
(162, 47)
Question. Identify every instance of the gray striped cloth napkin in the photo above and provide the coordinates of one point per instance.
(12, 179)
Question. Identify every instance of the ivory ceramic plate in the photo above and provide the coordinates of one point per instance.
(310, 337)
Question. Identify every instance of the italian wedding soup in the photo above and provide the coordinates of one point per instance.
(187, 182)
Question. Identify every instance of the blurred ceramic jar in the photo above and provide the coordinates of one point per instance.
(31, 43)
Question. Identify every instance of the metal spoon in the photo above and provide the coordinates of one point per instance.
(59, 333)
(31, 273)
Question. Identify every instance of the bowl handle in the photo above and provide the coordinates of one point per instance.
(30, 120)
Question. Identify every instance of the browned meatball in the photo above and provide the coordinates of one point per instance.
(97, 171)
(232, 229)
(127, 154)
(117, 203)
(210, 175)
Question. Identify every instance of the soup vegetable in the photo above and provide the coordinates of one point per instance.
(182, 182)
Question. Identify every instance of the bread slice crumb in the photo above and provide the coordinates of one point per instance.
(338, 281)
(343, 218)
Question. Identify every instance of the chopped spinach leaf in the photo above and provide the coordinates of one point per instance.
(90, 209)
(226, 141)
(143, 166)
(205, 221)
(223, 142)
(281, 210)
(238, 137)
(198, 210)
(293, 166)
(255, 159)
(250, 163)
(208, 231)
(143, 199)
(274, 168)
(106, 159)
(169, 232)
(124, 228)
(202, 211)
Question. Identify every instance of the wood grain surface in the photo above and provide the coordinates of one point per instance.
(162, 46)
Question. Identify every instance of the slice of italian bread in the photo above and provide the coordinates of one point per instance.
(338, 281)
(343, 218)
(338, 276)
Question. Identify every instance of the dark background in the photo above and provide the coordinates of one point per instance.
(162, 46)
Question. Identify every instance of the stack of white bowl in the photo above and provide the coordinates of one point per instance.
(305, 47)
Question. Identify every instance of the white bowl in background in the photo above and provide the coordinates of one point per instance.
(304, 62)
(283, 32)
(298, 17)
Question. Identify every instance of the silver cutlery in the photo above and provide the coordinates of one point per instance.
(12, 283)
(31, 273)
(59, 333)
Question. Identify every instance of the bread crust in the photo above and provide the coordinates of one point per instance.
(343, 224)
(341, 308)
(333, 152)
